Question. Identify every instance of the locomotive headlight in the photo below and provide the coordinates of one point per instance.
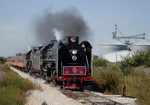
(74, 51)
(74, 57)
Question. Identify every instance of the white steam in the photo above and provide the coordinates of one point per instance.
(58, 34)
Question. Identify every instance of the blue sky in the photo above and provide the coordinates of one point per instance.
(16, 18)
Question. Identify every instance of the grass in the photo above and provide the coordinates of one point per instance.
(110, 79)
(13, 88)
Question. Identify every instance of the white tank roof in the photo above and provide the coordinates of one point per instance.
(113, 42)
(142, 42)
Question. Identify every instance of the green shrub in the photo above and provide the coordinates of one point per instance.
(99, 62)
(137, 59)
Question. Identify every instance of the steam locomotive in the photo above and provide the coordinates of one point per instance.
(66, 63)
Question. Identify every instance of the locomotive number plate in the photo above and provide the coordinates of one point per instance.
(74, 70)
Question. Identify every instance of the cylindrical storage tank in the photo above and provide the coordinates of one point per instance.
(142, 45)
(111, 46)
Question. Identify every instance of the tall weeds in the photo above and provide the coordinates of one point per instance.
(13, 88)
(3, 68)
(110, 79)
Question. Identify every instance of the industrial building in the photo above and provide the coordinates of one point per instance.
(121, 46)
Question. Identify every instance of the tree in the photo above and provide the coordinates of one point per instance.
(2, 60)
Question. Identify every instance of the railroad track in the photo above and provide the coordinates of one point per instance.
(88, 98)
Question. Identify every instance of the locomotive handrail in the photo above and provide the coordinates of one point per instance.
(51, 60)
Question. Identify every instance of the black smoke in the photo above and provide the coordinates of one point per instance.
(67, 22)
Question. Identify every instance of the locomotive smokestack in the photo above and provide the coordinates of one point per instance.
(57, 25)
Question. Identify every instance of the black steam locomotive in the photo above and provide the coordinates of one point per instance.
(66, 63)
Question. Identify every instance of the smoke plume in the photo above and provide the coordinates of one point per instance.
(51, 26)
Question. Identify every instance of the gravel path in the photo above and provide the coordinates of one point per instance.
(118, 99)
(50, 95)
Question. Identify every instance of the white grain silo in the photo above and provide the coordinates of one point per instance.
(141, 45)
(112, 46)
